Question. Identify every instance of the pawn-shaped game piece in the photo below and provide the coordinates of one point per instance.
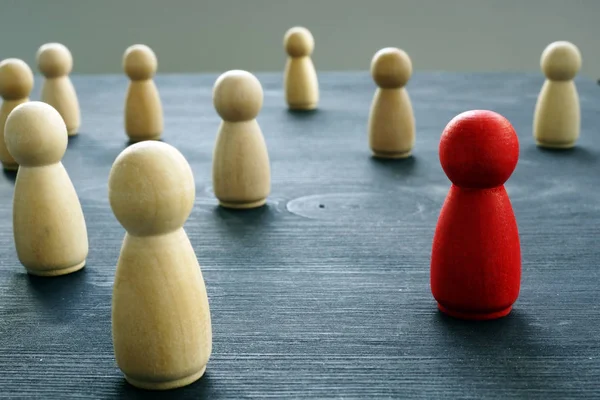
(55, 62)
(49, 227)
(241, 170)
(391, 120)
(16, 83)
(161, 323)
(143, 108)
(556, 121)
(476, 254)
(300, 78)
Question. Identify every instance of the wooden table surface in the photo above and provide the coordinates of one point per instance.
(324, 292)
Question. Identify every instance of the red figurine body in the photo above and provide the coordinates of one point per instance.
(476, 254)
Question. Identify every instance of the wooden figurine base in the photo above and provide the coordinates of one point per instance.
(475, 316)
(57, 272)
(303, 107)
(387, 155)
(177, 383)
(242, 206)
(555, 145)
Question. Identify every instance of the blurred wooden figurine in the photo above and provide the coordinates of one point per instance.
(143, 108)
(55, 62)
(300, 78)
(391, 120)
(16, 83)
(557, 117)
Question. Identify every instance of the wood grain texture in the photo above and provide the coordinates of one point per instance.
(324, 292)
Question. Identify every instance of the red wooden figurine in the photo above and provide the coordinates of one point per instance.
(476, 254)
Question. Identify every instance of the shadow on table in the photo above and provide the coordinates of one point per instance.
(73, 140)
(246, 225)
(62, 296)
(130, 142)
(395, 167)
(10, 175)
(201, 389)
(254, 216)
(250, 229)
(511, 350)
(302, 114)
(578, 153)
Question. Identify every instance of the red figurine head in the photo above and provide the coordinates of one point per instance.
(479, 149)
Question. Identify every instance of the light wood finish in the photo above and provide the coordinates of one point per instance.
(391, 126)
(300, 77)
(161, 324)
(241, 168)
(143, 108)
(557, 118)
(49, 227)
(16, 83)
(55, 62)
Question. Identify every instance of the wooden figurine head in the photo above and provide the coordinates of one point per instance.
(139, 62)
(54, 60)
(151, 188)
(35, 134)
(298, 42)
(237, 96)
(561, 61)
(16, 79)
(391, 68)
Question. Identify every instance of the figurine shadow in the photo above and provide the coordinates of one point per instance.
(203, 388)
(73, 140)
(394, 168)
(510, 347)
(254, 214)
(302, 114)
(240, 221)
(248, 229)
(10, 175)
(60, 295)
(578, 153)
(131, 142)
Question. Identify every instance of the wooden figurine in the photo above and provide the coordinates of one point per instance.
(16, 83)
(556, 121)
(55, 62)
(476, 253)
(300, 78)
(143, 108)
(161, 324)
(241, 170)
(49, 227)
(391, 123)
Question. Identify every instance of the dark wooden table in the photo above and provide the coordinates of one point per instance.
(324, 292)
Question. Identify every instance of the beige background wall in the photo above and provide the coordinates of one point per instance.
(217, 35)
